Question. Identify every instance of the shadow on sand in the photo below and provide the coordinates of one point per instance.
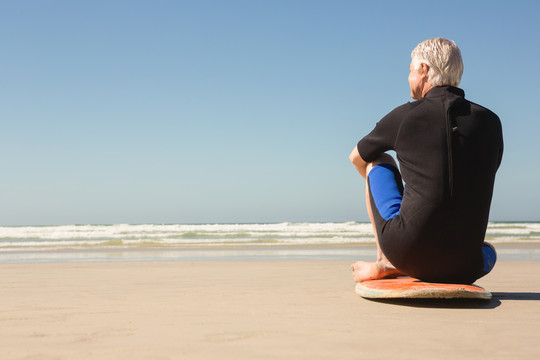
(444, 303)
(496, 301)
(516, 295)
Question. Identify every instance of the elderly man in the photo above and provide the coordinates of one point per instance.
(448, 150)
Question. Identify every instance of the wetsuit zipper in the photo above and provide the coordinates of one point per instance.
(449, 138)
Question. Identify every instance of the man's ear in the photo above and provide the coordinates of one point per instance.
(425, 69)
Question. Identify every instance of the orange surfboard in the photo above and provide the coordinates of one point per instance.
(411, 288)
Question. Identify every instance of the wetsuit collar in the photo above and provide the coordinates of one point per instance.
(440, 90)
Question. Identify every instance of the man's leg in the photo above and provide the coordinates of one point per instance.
(381, 268)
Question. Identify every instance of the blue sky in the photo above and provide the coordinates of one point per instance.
(237, 111)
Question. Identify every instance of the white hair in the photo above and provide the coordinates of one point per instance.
(443, 58)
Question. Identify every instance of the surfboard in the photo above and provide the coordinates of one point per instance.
(411, 288)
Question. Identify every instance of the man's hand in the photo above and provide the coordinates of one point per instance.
(358, 162)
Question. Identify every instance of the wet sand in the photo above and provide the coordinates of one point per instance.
(271, 309)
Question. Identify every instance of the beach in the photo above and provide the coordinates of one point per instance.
(252, 309)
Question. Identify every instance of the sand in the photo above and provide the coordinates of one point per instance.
(290, 309)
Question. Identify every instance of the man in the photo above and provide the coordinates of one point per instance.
(448, 150)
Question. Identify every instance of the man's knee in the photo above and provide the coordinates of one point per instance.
(382, 159)
(384, 187)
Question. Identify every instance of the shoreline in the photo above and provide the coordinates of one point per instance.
(521, 251)
(252, 309)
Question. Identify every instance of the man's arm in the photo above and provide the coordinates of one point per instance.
(358, 162)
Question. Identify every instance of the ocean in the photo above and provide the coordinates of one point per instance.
(155, 242)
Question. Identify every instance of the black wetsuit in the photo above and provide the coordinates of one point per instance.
(449, 150)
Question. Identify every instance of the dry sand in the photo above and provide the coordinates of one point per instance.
(252, 310)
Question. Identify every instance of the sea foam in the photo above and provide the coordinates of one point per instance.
(205, 235)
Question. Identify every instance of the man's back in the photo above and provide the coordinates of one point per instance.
(449, 150)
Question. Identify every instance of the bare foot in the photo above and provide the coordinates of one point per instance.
(363, 270)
